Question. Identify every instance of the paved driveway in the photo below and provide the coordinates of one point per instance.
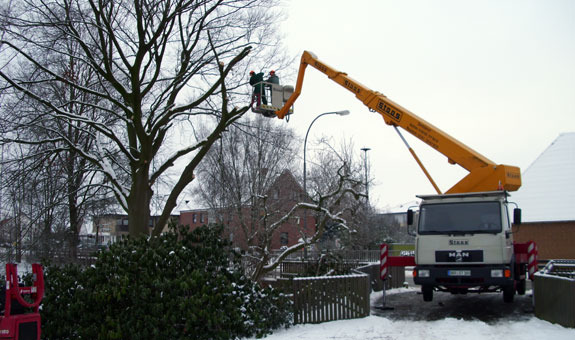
(488, 307)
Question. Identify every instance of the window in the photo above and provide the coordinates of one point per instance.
(194, 218)
(123, 225)
(284, 239)
(469, 217)
(295, 196)
(201, 218)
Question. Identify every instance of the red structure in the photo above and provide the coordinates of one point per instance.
(526, 253)
(383, 253)
(386, 261)
(18, 322)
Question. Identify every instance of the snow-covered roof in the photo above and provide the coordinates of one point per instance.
(402, 208)
(547, 193)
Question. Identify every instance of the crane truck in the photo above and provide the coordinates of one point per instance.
(463, 238)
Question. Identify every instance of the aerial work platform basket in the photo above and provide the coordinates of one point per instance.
(271, 99)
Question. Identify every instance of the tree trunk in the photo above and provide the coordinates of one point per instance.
(75, 224)
(139, 203)
(73, 211)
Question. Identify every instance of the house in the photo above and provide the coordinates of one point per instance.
(241, 223)
(195, 218)
(110, 228)
(547, 201)
(248, 220)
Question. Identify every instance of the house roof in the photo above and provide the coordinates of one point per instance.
(548, 184)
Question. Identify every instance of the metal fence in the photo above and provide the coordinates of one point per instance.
(554, 292)
(300, 268)
(355, 256)
(350, 256)
(321, 299)
(395, 279)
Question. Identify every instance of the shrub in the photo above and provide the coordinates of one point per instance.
(329, 263)
(178, 286)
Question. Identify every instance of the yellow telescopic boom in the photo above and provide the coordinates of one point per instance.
(484, 175)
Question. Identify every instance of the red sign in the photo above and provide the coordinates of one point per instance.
(383, 265)
(532, 258)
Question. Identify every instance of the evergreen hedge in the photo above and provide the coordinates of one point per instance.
(185, 285)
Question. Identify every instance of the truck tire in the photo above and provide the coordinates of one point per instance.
(508, 293)
(521, 287)
(427, 292)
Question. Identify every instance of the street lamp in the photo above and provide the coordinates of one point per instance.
(365, 150)
(339, 113)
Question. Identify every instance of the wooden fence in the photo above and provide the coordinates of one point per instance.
(321, 299)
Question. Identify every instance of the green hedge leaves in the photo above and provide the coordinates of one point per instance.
(185, 285)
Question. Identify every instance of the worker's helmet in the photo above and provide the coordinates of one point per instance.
(251, 72)
(272, 72)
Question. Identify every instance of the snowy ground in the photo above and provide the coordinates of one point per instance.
(381, 327)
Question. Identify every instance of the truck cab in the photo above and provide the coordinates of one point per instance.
(464, 244)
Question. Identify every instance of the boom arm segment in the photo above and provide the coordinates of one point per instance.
(484, 175)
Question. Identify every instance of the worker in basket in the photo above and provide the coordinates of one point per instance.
(258, 95)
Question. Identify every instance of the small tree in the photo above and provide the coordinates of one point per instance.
(356, 212)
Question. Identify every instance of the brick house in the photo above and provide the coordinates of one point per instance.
(547, 198)
(241, 222)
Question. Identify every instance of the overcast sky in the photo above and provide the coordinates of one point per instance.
(497, 75)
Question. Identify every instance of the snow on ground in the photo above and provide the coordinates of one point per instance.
(374, 327)
(381, 328)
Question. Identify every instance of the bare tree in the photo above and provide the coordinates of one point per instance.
(356, 212)
(370, 228)
(69, 183)
(238, 182)
(30, 195)
(329, 207)
(238, 173)
(157, 67)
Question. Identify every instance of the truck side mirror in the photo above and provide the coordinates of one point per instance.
(517, 216)
(409, 217)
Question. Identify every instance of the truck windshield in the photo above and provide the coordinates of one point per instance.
(460, 218)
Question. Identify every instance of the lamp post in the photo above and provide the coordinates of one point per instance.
(365, 150)
(339, 113)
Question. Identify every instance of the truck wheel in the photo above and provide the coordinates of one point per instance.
(508, 293)
(427, 293)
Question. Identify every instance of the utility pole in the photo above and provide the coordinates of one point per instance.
(365, 150)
